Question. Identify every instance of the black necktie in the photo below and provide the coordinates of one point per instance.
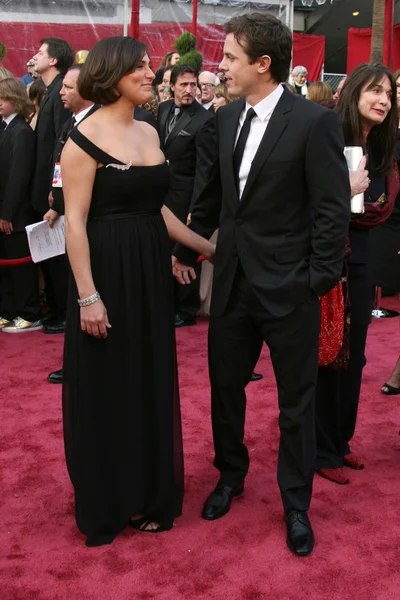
(3, 125)
(172, 122)
(241, 144)
(70, 127)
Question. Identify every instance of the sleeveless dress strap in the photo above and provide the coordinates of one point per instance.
(94, 151)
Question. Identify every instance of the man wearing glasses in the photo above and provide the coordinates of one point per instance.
(207, 83)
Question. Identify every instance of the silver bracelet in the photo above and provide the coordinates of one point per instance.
(87, 301)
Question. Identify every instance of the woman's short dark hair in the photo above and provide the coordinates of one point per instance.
(62, 51)
(36, 91)
(107, 63)
(181, 70)
(382, 138)
(262, 34)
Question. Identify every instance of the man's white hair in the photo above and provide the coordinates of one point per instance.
(216, 79)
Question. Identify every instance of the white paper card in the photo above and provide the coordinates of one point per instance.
(46, 242)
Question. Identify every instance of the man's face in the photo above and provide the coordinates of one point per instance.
(166, 78)
(242, 78)
(207, 84)
(42, 60)
(185, 89)
(221, 76)
(336, 95)
(69, 92)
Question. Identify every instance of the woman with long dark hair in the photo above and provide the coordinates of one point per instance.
(368, 111)
(121, 409)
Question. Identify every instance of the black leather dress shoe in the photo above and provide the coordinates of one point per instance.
(55, 377)
(256, 377)
(219, 501)
(300, 536)
(55, 327)
(181, 323)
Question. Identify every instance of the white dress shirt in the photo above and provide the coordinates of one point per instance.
(207, 105)
(263, 110)
(8, 120)
(82, 114)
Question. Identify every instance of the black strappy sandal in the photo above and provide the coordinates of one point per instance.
(390, 391)
(142, 522)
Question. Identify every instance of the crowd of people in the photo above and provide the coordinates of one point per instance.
(245, 168)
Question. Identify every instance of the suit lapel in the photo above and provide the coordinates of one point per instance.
(181, 124)
(5, 133)
(275, 129)
(227, 137)
(162, 120)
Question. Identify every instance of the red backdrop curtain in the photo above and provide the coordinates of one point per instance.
(22, 41)
(359, 47)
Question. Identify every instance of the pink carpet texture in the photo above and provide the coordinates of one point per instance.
(242, 556)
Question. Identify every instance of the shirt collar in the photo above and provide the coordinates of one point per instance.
(82, 114)
(266, 106)
(8, 120)
(53, 83)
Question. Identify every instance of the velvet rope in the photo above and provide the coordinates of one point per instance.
(15, 262)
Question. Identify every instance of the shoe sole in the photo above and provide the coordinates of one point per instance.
(300, 554)
(55, 382)
(27, 330)
(238, 493)
(53, 332)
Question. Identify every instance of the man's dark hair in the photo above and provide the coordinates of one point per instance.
(262, 34)
(107, 63)
(62, 51)
(382, 138)
(77, 66)
(182, 70)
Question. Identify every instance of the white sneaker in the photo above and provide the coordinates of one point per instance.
(4, 322)
(19, 325)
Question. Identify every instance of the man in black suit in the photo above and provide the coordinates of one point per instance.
(283, 222)
(19, 306)
(187, 134)
(81, 109)
(54, 58)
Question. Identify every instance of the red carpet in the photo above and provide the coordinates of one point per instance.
(241, 557)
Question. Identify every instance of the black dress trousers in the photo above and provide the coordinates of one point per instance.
(20, 286)
(235, 341)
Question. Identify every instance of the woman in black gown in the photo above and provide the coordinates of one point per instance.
(385, 257)
(121, 410)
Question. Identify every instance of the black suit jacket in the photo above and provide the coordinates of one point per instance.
(58, 196)
(289, 229)
(191, 151)
(141, 114)
(17, 160)
(52, 116)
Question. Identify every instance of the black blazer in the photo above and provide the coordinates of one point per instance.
(191, 151)
(289, 229)
(141, 114)
(58, 196)
(17, 160)
(52, 116)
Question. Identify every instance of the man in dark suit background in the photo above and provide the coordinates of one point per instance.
(283, 222)
(187, 134)
(52, 61)
(19, 306)
(81, 109)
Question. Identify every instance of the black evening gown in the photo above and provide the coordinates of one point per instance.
(121, 412)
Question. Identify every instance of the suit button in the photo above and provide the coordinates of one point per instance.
(239, 221)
